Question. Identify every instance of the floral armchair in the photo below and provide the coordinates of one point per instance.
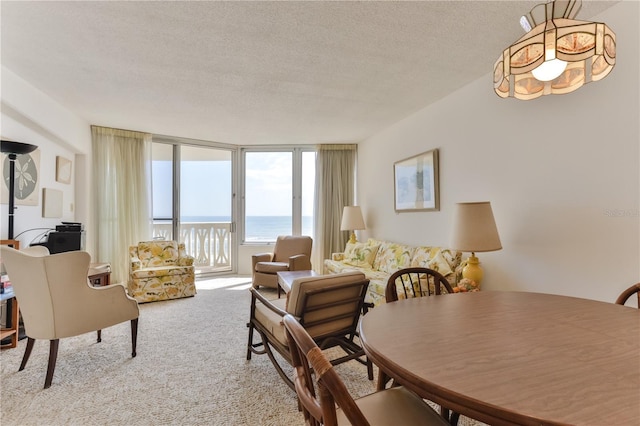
(160, 270)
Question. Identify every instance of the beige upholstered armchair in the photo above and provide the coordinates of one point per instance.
(291, 253)
(56, 300)
(160, 270)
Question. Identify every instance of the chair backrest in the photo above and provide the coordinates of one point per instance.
(48, 288)
(415, 282)
(328, 304)
(156, 253)
(625, 295)
(318, 405)
(290, 245)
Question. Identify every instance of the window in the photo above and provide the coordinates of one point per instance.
(278, 193)
(193, 201)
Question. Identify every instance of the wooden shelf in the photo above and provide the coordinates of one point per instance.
(13, 330)
(10, 298)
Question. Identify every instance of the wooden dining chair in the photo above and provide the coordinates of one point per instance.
(415, 282)
(625, 295)
(410, 283)
(318, 399)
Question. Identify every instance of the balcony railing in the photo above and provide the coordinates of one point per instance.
(208, 242)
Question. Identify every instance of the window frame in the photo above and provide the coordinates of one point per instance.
(296, 187)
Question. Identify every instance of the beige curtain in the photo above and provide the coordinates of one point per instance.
(335, 188)
(122, 195)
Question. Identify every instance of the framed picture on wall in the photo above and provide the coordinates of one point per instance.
(27, 179)
(416, 183)
(63, 170)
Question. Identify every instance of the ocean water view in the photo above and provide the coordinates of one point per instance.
(260, 228)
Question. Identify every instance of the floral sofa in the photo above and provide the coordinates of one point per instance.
(379, 259)
(160, 270)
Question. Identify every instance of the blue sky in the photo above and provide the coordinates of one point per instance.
(206, 186)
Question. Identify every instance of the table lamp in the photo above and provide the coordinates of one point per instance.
(13, 149)
(474, 230)
(352, 220)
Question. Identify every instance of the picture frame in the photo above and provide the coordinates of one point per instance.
(63, 170)
(27, 180)
(416, 183)
(51, 202)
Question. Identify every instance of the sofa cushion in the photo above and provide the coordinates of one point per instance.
(360, 254)
(393, 256)
(453, 258)
(432, 258)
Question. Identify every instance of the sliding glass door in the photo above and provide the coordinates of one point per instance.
(193, 202)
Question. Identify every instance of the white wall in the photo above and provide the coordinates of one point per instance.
(561, 172)
(30, 116)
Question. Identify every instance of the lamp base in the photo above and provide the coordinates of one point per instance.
(352, 238)
(473, 271)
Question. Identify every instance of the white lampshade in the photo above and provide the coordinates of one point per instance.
(474, 228)
(352, 219)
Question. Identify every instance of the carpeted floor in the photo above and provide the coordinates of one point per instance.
(190, 370)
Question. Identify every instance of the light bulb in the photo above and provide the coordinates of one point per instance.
(549, 70)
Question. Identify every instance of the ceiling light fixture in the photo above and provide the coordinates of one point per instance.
(557, 55)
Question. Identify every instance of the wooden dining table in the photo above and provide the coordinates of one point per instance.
(513, 357)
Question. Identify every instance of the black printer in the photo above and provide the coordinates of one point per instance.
(67, 237)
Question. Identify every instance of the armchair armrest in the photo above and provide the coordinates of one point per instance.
(185, 260)
(299, 262)
(262, 257)
(255, 294)
(135, 264)
(259, 257)
(337, 256)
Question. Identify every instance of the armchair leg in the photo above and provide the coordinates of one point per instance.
(250, 340)
(27, 353)
(134, 336)
(53, 356)
(99, 336)
(250, 325)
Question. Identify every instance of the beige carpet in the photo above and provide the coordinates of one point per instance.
(190, 370)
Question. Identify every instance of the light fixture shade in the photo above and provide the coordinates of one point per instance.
(588, 48)
(352, 219)
(19, 148)
(474, 228)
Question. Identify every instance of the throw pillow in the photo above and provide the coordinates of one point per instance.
(440, 264)
(421, 257)
(360, 254)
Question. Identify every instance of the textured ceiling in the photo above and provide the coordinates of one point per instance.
(257, 72)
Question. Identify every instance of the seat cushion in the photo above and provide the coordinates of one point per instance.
(395, 406)
(271, 267)
(360, 254)
(162, 271)
(271, 321)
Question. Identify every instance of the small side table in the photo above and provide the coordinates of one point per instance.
(99, 274)
(286, 279)
(12, 328)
